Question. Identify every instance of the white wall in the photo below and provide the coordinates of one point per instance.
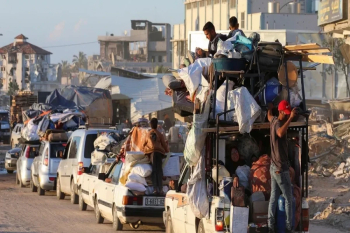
(224, 14)
(290, 21)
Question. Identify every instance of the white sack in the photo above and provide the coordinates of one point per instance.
(103, 142)
(220, 100)
(196, 190)
(196, 138)
(246, 108)
(135, 186)
(29, 131)
(136, 179)
(98, 157)
(143, 170)
(192, 75)
(243, 173)
(222, 173)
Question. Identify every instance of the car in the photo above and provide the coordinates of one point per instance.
(24, 163)
(76, 158)
(116, 203)
(11, 158)
(44, 167)
(5, 132)
(16, 135)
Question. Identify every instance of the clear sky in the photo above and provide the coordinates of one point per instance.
(61, 22)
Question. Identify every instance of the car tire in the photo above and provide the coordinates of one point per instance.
(9, 171)
(41, 191)
(82, 204)
(98, 216)
(33, 188)
(169, 224)
(20, 183)
(117, 225)
(74, 198)
(17, 180)
(59, 193)
(201, 227)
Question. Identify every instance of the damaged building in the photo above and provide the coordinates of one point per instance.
(28, 65)
(146, 47)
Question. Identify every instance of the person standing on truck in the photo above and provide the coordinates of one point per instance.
(213, 37)
(279, 170)
(156, 148)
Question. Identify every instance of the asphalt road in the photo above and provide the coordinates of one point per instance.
(24, 211)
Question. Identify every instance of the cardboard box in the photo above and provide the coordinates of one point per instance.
(260, 211)
(239, 217)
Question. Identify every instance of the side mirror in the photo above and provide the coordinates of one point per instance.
(59, 154)
(102, 176)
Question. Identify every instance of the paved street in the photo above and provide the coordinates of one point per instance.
(24, 211)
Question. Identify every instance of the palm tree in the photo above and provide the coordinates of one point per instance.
(80, 61)
(65, 68)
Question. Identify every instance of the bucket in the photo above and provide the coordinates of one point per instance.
(225, 188)
(229, 64)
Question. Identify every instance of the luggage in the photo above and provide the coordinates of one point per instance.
(260, 176)
(238, 196)
(270, 56)
(57, 137)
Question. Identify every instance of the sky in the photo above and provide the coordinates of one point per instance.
(65, 22)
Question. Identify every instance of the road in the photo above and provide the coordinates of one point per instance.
(24, 211)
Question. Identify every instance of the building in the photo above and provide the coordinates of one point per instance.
(147, 46)
(252, 16)
(29, 66)
(334, 17)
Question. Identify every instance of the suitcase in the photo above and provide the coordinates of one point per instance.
(238, 196)
(270, 56)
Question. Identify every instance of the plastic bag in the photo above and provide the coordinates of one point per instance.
(137, 179)
(196, 138)
(220, 99)
(196, 190)
(143, 170)
(243, 173)
(29, 131)
(222, 173)
(104, 141)
(135, 186)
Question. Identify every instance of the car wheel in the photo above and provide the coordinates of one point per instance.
(201, 227)
(33, 188)
(82, 204)
(59, 193)
(9, 171)
(99, 218)
(17, 180)
(169, 223)
(117, 225)
(74, 198)
(41, 191)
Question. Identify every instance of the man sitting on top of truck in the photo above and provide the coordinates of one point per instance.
(213, 37)
(279, 170)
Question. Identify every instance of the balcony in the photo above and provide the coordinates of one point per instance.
(12, 59)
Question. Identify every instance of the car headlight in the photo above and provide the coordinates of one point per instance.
(7, 156)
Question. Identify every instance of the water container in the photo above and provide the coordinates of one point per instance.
(281, 215)
(225, 188)
(273, 88)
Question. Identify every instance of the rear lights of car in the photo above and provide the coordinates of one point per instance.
(305, 214)
(52, 178)
(219, 220)
(132, 200)
(80, 168)
(28, 152)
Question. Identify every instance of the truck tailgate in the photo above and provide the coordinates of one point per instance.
(53, 165)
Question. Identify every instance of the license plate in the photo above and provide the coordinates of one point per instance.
(154, 201)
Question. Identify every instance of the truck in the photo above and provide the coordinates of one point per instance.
(5, 132)
(182, 213)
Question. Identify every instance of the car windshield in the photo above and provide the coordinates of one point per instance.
(89, 145)
(54, 148)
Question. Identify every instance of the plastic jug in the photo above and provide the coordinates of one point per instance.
(281, 214)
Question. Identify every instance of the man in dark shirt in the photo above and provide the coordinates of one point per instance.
(279, 170)
(234, 27)
(213, 37)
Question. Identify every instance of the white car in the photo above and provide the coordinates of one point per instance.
(76, 157)
(16, 135)
(115, 202)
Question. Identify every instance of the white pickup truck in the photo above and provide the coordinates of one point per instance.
(115, 202)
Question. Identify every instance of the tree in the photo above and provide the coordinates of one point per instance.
(13, 87)
(80, 61)
(334, 44)
(65, 68)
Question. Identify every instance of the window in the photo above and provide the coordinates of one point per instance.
(242, 25)
(115, 172)
(185, 175)
(89, 145)
(160, 59)
(73, 149)
(188, 6)
(42, 147)
(27, 57)
(3, 57)
(233, 3)
(54, 148)
(209, 2)
(194, 5)
(33, 152)
(153, 59)
(223, 1)
(3, 68)
(216, 1)
(201, 4)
